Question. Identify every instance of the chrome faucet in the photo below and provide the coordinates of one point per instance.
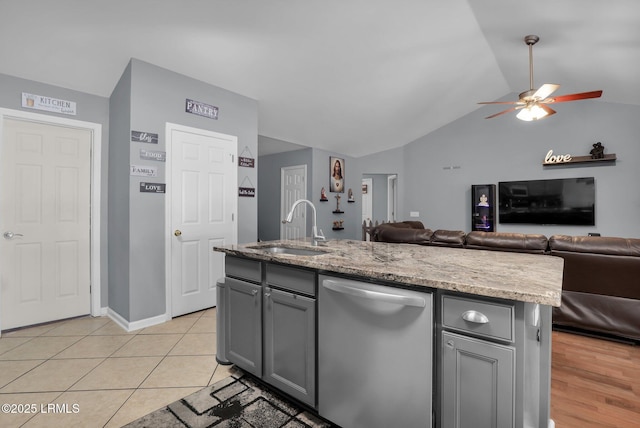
(315, 236)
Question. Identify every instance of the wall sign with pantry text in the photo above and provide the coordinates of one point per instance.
(201, 109)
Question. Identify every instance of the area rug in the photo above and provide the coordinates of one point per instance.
(238, 401)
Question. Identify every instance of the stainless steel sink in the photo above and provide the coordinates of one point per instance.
(277, 249)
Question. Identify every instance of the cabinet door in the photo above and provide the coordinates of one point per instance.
(290, 344)
(243, 336)
(477, 383)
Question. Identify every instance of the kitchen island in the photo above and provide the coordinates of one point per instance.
(485, 336)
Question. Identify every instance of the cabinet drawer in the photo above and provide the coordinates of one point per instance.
(293, 279)
(237, 267)
(493, 320)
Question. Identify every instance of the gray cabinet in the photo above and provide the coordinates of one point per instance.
(289, 343)
(494, 363)
(243, 337)
(270, 326)
(243, 314)
(479, 386)
(289, 322)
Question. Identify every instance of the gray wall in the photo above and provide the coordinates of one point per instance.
(352, 211)
(90, 108)
(379, 195)
(158, 96)
(118, 220)
(317, 162)
(269, 216)
(439, 168)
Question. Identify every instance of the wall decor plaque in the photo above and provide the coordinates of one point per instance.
(144, 137)
(201, 109)
(154, 155)
(144, 171)
(153, 187)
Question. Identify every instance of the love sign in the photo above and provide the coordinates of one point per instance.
(550, 158)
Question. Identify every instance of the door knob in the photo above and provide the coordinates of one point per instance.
(11, 235)
(177, 232)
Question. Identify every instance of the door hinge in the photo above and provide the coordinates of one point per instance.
(233, 217)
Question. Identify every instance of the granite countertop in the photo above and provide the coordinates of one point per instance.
(515, 276)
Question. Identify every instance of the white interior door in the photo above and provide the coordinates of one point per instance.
(293, 183)
(45, 194)
(203, 198)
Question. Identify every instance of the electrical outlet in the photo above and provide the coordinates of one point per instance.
(414, 214)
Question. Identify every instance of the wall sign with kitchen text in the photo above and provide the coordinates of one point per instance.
(201, 109)
(153, 187)
(144, 137)
(40, 102)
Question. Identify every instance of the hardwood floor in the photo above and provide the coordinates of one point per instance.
(594, 382)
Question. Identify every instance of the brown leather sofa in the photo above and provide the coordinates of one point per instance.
(601, 284)
(601, 278)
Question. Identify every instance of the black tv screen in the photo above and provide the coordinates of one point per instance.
(568, 201)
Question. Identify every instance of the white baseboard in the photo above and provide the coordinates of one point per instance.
(136, 325)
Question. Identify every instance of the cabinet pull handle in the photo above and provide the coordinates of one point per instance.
(475, 317)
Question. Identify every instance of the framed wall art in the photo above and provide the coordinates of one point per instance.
(336, 172)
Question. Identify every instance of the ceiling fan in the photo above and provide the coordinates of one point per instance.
(533, 103)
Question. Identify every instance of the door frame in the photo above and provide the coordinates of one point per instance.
(169, 127)
(369, 182)
(392, 197)
(285, 210)
(96, 171)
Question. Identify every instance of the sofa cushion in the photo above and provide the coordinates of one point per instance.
(407, 224)
(596, 244)
(402, 235)
(503, 241)
(448, 238)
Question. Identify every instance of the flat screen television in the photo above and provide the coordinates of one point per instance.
(568, 201)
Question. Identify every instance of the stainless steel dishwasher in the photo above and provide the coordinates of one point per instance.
(375, 354)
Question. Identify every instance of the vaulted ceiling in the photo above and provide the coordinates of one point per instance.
(351, 76)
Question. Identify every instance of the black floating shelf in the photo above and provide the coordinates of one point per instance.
(324, 200)
(338, 212)
(338, 228)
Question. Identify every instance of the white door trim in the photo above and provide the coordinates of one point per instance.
(392, 197)
(96, 164)
(169, 127)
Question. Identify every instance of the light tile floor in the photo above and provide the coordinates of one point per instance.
(89, 372)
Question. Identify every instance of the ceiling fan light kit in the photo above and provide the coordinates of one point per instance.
(533, 103)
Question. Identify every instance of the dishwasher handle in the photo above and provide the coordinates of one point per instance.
(345, 288)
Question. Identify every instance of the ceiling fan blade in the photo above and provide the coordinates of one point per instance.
(509, 110)
(545, 90)
(501, 102)
(573, 97)
(548, 109)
